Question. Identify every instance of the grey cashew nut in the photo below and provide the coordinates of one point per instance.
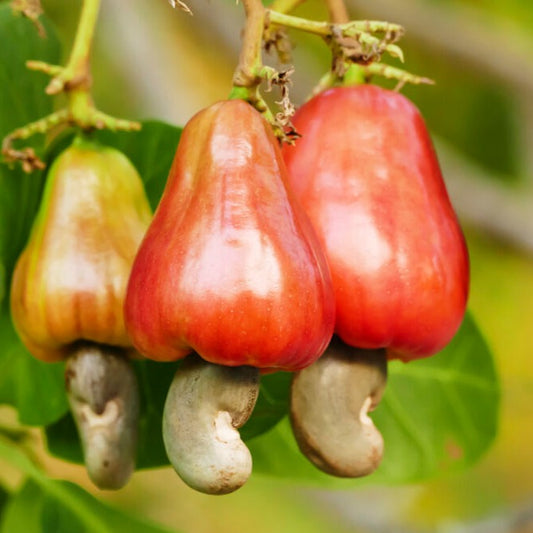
(330, 401)
(206, 404)
(104, 400)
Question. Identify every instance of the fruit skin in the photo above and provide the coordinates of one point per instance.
(70, 281)
(367, 175)
(230, 266)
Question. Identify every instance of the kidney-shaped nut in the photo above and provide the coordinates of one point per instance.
(205, 405)
(330, 401)
(104, 400)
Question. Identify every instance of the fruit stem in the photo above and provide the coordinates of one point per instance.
(354, 47)
(250, 59)
(342, 73)
(393, 73)
(350, 69)
(251, 72)
(77, 70)
(360, 29)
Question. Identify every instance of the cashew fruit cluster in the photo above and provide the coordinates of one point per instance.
(325, 259)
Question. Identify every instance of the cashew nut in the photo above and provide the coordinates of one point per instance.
(330, 401)
(205, 406)
(104, 399)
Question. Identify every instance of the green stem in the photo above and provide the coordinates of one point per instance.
(75, 81)
(41, 66)
(76, 73)
(39, 126)
(55, 489)
(354, 75)
(80, 106)
(326, 29)
(290, 21)
(84, 36)
(358, 29)
(349, 73)
(81, 50)
(250, 71)
(393, 73)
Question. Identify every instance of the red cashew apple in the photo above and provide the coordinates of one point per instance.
(230, 266)
(367, 175)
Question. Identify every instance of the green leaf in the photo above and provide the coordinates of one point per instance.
(24, 382)
(23, 101)
(23, 98)
(35, 388)
(151, 150)
(438, 415)
(23, 511)
(272, 405)
(441, 413)
(154, 379)
(19, 200)
(45, 505)
(4, 498)
(58, 518)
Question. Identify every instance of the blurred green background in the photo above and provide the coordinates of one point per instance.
(152, 61)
